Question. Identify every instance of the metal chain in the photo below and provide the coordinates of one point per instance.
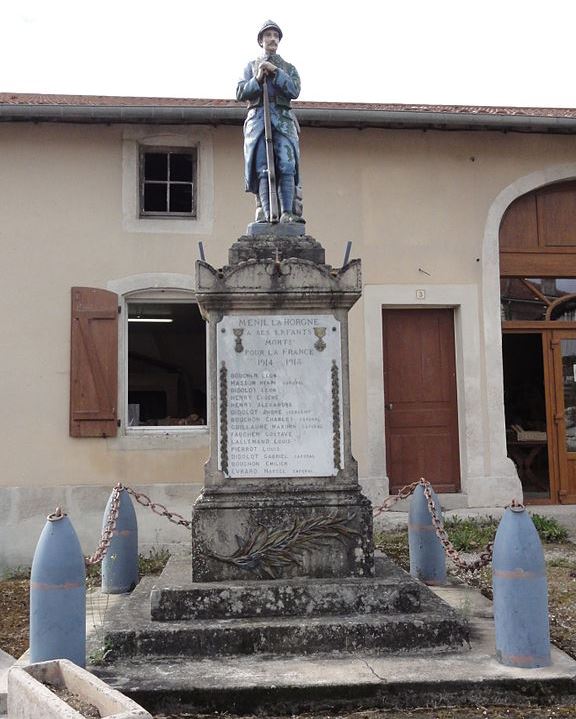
(109, 528)
(388, 503)
(485, 556)
(158, 508)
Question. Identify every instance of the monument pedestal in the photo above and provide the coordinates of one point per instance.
(299, 533)
(281, 497)
(282, 549)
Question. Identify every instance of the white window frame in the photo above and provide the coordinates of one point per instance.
(198, 137)
(154, 288)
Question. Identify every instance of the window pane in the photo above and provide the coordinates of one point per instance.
(155, 197)
(166, 364)
(518, 302)
(522, 300)
(155, 165)
(181, 167)
(569, 381)
(181, 198)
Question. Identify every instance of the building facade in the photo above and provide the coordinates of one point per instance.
(463, 347)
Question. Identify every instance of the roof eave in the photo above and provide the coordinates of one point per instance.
(308, 117)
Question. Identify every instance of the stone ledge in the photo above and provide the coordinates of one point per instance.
(171, 599)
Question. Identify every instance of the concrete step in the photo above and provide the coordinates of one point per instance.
(130, 631)
(290, 635)
(171, 599)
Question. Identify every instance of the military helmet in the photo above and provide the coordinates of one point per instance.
(269, 24)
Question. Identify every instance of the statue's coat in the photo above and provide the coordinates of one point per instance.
(283, 87)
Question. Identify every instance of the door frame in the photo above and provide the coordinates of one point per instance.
(487, 475)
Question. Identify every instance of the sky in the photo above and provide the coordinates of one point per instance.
(505, 52)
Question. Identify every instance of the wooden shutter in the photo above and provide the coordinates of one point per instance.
(93, 363)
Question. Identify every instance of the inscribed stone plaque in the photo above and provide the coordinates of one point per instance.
(279, 396)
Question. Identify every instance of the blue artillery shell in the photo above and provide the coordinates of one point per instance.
(427, 557)
(58, 595)
(120, 563)
(520, 593)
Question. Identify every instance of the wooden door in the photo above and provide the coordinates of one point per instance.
(563, 350)
(421, 416)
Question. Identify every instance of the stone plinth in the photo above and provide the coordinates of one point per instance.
(297, 533)
(269, 246)
(169, 616)
(281, 496)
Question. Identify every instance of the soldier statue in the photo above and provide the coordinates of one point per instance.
(271, 130)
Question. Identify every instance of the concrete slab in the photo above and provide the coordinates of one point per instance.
(264, 683)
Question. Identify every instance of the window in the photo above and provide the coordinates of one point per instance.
(538, 299)
(138, 368)
(167, 182)
(166, 380)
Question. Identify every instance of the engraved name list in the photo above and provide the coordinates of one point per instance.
(279, 395)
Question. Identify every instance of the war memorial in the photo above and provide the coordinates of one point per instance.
(282, 562)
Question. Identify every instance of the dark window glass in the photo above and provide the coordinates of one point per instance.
(166, 365)
(155, 199)
(167, 182)
(156, 166)
(181, 198)
(181, 167)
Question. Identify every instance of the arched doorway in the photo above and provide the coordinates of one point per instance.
(538, 306)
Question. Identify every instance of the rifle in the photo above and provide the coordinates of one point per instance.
(270, 155)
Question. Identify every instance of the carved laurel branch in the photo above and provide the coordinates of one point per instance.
(271, 551)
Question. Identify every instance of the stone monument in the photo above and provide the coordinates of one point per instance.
(282, 549)
(281, 496)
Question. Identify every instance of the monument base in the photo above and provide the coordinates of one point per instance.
(274, 242)
(276, 229)
(267, 535)
(169, 616)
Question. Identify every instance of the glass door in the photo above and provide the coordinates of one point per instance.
(563, 346)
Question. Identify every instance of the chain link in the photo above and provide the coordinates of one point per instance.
(158, 508)
(109, 528)
(388, 503)
(473, 566)
(406, 491)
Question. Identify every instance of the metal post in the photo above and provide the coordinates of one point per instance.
(58, 594)
(520, 593)
(120, 563)
(427, 557)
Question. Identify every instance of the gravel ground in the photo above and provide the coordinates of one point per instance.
(552, 712)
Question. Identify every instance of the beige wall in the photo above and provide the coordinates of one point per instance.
(409, 201)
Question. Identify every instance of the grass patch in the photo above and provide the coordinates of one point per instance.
(394, 545)
(154, 562)
(148, 564)
(550, 529)
(16, 573)
(471, 534)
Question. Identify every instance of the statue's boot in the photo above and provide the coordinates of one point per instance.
(286, 189)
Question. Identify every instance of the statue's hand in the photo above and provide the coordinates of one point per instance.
(264, 69)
